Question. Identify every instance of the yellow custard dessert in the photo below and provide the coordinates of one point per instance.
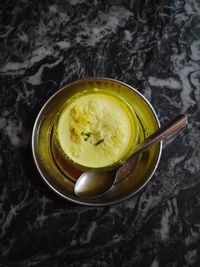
(96, 129)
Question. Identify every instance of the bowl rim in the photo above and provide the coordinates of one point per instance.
(86, 202)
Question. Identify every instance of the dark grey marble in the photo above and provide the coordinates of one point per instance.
(155, 47)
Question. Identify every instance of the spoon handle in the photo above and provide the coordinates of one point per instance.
(162, 133)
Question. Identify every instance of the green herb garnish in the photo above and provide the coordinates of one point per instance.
(86, 135)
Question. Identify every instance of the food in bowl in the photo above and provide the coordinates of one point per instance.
(95, 129)
(60, 173)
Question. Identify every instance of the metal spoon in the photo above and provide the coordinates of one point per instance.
(93, 184)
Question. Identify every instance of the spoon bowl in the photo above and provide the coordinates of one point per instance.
(88, 187)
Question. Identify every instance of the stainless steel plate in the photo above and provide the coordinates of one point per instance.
(63, 184)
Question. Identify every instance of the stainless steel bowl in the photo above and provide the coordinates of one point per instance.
(61, 180)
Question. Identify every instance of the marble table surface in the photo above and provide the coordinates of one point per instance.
(151, 45)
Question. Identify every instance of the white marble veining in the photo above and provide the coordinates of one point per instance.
(152, 45)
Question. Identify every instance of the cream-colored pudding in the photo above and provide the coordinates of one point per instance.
(95, 130)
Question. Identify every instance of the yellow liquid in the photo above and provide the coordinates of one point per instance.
(96, 130)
